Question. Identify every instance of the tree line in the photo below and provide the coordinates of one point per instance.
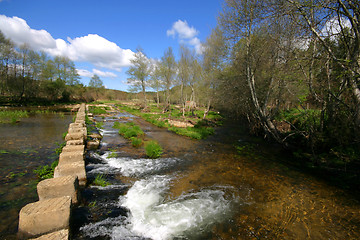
(290, 68)
(30, 76)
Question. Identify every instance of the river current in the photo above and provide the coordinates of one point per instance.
(205, 190)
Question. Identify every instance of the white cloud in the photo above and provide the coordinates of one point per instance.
(86, 73)
(19, 32)
(333, 27)
(182, 29)
(92, 48)
(186, 35)
(199, 48)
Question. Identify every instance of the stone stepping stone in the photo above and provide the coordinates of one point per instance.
(72, 169)
(58, 187)
(74, 148)
(75, 142)
(59, 235)
(74, 136)
(44, 217)
(70, 157)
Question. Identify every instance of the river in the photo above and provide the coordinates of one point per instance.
(25, 146)
(206, 190)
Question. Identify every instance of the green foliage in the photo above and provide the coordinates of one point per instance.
(302, 119)
(136, 142)
(45, 172)
(153, 149)
(12, 116)
(100, 181)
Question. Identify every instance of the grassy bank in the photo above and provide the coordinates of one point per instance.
(194, 126)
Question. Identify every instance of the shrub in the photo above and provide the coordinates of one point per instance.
(128, 130)
(153, 149)
(136, 142)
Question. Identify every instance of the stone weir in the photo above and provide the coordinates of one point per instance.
(49, 218)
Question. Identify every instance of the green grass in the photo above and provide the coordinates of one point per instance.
(97, 110)
(136, 142)
(100, 181)
(47, 171)
(128, 130)
(99, 124)
(12, 116)
(200, 131)
(153, 149)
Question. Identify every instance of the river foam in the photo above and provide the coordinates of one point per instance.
(130, 166)
(153, 215)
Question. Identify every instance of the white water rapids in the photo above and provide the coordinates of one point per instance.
(152, 213)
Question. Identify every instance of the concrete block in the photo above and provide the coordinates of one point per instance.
(82, 122)
(72, 169)
(75, 142)
(73, 148)
(44, 217)
(74, 136)
(76, 125)
(59, 235)
(76, 129)
(70, 157)
(58, 187)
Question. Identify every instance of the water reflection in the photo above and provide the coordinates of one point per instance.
(23, 147)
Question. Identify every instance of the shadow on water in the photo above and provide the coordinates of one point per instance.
(206, 190)
(24, 146)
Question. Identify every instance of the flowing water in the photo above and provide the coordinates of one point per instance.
(24, 146)
(205, 190)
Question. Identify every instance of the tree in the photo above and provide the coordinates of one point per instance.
(156, 81)
(95, 82)
(167, 71)
(139, 73)
(241, 21)
(214, 55)
(184, 72)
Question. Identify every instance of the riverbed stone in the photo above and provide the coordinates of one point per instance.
(95, 136)
(58, 187)
(44, 217)
(70, 157)
(75, 142)
(72, 169)
(73, 148)
(93, 144)
(58, 235)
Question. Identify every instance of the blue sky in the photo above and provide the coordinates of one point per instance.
(101, 36)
